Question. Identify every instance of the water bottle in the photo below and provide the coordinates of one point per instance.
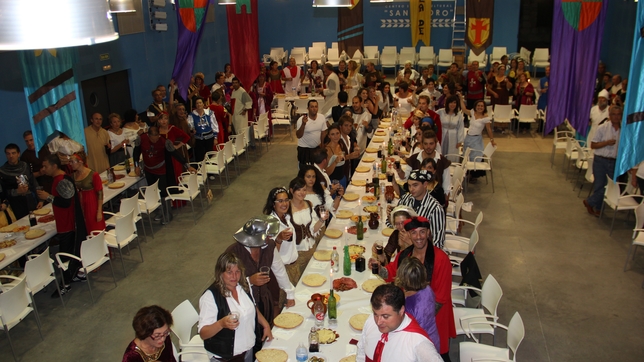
(301, 354)
(335, 260)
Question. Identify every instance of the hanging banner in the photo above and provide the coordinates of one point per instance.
(51, 91)
(191, 16)
(421, 17)
(351, 28)
(480, 18)
(631, 138)
(243, 41)
(577, 30)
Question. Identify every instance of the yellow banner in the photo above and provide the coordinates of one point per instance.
(421, 21)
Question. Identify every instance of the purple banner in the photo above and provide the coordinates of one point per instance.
(577, 31)
(191, 17)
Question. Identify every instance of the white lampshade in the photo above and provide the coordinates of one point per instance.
(122, 6)
(48, 24)
(332, 3)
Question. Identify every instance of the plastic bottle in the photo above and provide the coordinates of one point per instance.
(335, 260)
(301, 354)
(347, 259)
(332, 308)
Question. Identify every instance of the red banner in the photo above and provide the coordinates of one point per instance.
(243, 42)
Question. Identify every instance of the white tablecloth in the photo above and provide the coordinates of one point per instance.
(355, 301)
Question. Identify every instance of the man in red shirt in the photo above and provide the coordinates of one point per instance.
(156, 150)
(475, 85)
(70, 225)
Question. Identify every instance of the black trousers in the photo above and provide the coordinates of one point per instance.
(305, 155)
(68, 244)
(201, 147)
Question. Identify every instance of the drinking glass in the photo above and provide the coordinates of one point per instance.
(265, 270)
(323, 212)
(234, 316)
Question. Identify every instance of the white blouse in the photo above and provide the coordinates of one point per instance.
(245, 332)
(303, 217)
(288, 250)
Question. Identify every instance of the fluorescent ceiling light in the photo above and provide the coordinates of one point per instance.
(122, 6)
(226, 2)
(47, 24)
(332, 3)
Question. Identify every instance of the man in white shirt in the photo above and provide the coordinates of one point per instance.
(392, 334)
(617, 85)
(292, 77)
(605, 143)
(598, 113)
(311, 131)
(414, 73)
(331, 88)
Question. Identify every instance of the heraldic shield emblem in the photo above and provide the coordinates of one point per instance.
(580, 14)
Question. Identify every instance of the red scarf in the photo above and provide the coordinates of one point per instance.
(413, 327)
(293, 71)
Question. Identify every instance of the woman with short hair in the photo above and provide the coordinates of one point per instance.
(152, 336)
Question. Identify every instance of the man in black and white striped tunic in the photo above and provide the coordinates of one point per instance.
(425, 205)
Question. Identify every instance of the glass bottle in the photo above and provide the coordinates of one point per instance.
(335, 260)
(360, 228)
(332, 307)
(347, 260)
(314, 341)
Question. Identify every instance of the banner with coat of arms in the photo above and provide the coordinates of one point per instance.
(480, 18)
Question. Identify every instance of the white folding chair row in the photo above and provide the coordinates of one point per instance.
(464, 318)
(239, 147)
(215, 164)
(638, 233)
(581, 165)
(481, 58)
(333, 57)
(408, 54)
(281, 116)
(559, 142)
(187, 193)
(456, 243)
(540, 59)
(389, 58)
(299, 54)
(127, 205)
(93, 254)
(474, 351)
(426, 56)
(497, 53)
(572, 153)
(445, 59)
(202, 175)
(618, 201)
(526, 114)
(454, 248)
(261, 130)
(503, 114)
(316, 54)
(371, 55)
(185, 316)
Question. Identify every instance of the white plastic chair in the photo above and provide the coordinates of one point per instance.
(123, 235)
(497, 53)
(407, 53)
(426, 56)
(451, 222)
(299, 54)
(357, 57)
(190, 355)
(572, 153)
(261, 130)
(188, 193)
(239, 147)
(559, 142)
(316, 54)
(491, 294)
(202, 175)
(503, 114)
(216, 165)
(585, 154)
(541, 59)
(333, 57)
(526, 114)
(481, 58)
(126, 206)
(281, 116)
(15, 304)
(589, 177)
(445, 59)
(93, 253)
(483, 163)
(278, 55)
(516, 333)
(461, 244)
(389, 58)
(638, 235)
(617, 201)
(39, 273)
(456, 247)
(371, 54)
(185, 316)
(151, 201)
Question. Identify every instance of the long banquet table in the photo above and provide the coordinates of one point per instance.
(24, 246)
(355, 301)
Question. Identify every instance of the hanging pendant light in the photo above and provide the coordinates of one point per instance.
(122, 6)
(47, 24)
(332, 3)
(226, 2)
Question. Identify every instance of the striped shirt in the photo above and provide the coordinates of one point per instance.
(433, 211)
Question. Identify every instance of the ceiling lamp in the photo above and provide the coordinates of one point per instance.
(332, 3)
(122, 6)
(226, 2)
(48, 24)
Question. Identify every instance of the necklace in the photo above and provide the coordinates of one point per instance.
(154, 356)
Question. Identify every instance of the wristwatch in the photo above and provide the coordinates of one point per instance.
(50, 199)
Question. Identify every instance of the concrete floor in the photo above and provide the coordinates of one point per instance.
(557, 266)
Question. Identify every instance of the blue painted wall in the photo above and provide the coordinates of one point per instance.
(148, 57)
(617, 44)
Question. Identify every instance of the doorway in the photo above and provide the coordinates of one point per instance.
(106, 94)
(535, 24)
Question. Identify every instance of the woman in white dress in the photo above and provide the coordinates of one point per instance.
(453, 128)
(304, 217)
(386, 99)
(354, 80)
(404, 99)
(479, 120)
(278, 204)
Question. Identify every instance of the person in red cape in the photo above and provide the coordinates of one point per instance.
(179, 139)
(292, 76)
(392, 334)
(423, 105)
(439, 274)
(217, 107)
